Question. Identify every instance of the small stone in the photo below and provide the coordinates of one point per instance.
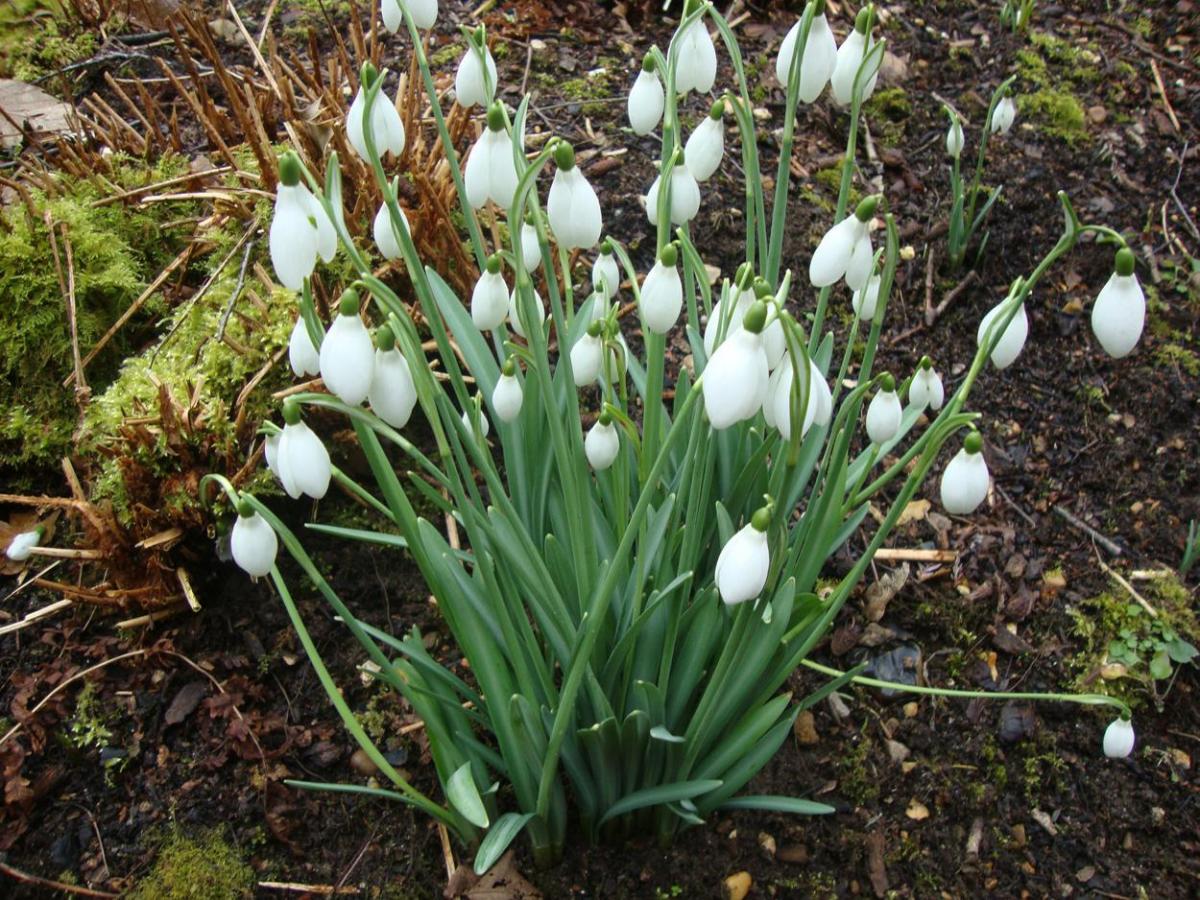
(805, 729)
(1086, 874)
(736, 886)
(1018, 835)
(767, 844)
(1158, 815)
(1045, 821)
(897, 751)
(838, 707)
(797, 854)
(917, 811)
(1097, 114)
(906, 767)
(910, 709)
(362, 764)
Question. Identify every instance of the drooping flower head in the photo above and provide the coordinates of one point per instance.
(301, 460)
(1119, 313)
(955, 139)
(383, 231)
(845, 251)
(745, 560)
(302, 352)
(253, 542)
(1012, 341)
(1004, 115)
(662, 292)
(423, 12)
(475, 81)
(696, 57)
(520, 310)
(587, 356)
(489, 299)
(819, 56)
(300, 229)
(385, 128)
(965, 480)
(346, 353)
(850, 56)
(507, 396)
(22, 545)
(735, 380)
(491, 169)
(646, 98)
(392, 395)
(706, 144)
(572, 207)
(606, 274)
(602, 443)
(884, 412)
(1118, 738)
(926, 388)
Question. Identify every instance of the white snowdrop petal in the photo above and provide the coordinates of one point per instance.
(704, 148)
(507, 398)
(326, 234)
(254, 545)
(518, 324)
(393, 395)
(393, 18)
(964, 483)
(1004, 116)
(385, 235)
(477, 176)
(735, 380)
(271, 452)
(884, 413)
(652, 201)
(866, 299)
(862, 261)
(302, 354)
(955, 140)
(354, 123)
(926, 389)
(646, 102)
(531, 250)
(823, 413)
(21, 547)
(849, 57)
(586, 359)
(820, 56)
(489, 301)
(685, 196)
(832, 256)
(774, 343)
(303, 462)
(713, 325)
(386, 126)
(502, 187)
(1119, 315)
(1118, 739)
(1012, 342)
(601, 446)
(347, 360)
(293, 239)
(662, 298)
(606, 274)
(588, 219)
(743, 565)
(468, 419)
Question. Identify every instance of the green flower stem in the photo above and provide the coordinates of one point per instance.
(1082, 699)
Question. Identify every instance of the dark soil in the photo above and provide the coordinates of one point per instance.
(935, 798)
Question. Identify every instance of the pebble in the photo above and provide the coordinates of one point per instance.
(1097, 114)
(910, 709)
(362, 764)
(736, 886)
(797, 854)
(767, 843)
(805, 729)
(897, 751)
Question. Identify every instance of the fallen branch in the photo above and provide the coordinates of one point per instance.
(899, 554)
(932, 315)
(323, 890)
(1119, 579)
(25, 878)
(1071, 519)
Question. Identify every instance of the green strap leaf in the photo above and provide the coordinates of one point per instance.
(461, 791)
(660, 733)
(496, 841)
(663, 793)
(779, 803)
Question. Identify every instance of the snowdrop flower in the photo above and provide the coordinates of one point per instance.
(696, 59)
(423, 12)
(385, 235)
(587, 356)
(387, 130)
(346, 357)
(507, 396)
(1012, 342)
(646, 99)
(1118, 738)
(926, 388)
(1004, 115)
(271, 452)
(713, 325)
(735, 380)
(845, 250)
(774, 343)
(866, 298)
(706, 144)
(1119, 314)
(823, 414)
(954, 137)
(301, 459)
(531, 248)
(685, 195)
(884, 412)
(393, 395)
(302, 353)
(965, 480)
(777, 410)
(606, 275)
(300, 228)
(21, 547)
(253, 542)
(850, 55)
(491, 171)
(489, 299)
(662, 293)
(468, 420)
(519, 323)
(572, 207)
(602, 443)
(820, 56)
(745, 561)
(471, 87)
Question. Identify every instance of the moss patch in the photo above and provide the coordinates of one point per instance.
(1058, 114)
(36, 39)
(889, 111)
(205, 867)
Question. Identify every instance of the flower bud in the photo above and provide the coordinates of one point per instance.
(515, 320)
(573, 207)
(346, 354)
(662, 293)
(646, 99)
(744, 563)
(423, 12)
(606, 274)
(301, 459)
(1004, 115)
(253, 542)
(696, 59)
(387, 128)
(955, 138)
(1012, 342)
(884, 412)
(392, 395)
(22, 545)
(470, 84)
(587, 356)
(508, 396)
(817, 63)
(602, 444)
(705, 146)
(1118, 738)
(385, 235)
(735, 380)
(1119, 313)
(302, 354)
(489, 298)
(926, 388)
(965, 480)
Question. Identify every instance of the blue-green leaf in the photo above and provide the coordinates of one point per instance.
(496, 841)
(461, 791)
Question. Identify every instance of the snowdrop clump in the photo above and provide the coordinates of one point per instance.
(613, 577)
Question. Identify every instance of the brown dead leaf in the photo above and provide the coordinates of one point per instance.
(880, 594)
(915, 511)
(503, 882)
(876, 869)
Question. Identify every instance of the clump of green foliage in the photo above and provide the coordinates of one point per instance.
(1059, 114)
(37, 39)
(1118, 632)
(116, 249)
(204, 867)
(889, 111)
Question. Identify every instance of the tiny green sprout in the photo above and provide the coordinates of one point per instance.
(1124, 262)
(887, 384)
(973, 442)
(755, 317)
(495, 116)
(289, 168)
(669, 256)
(348, 305)
(510, 367)
(493, 264)
(291, 412)
(564, 156)
(384, 339)
(866, 209)
(368, 75)
(717, 110)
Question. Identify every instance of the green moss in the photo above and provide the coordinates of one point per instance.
(37, 39)
(589, 90)
(1058, 114)
(831, 180)
(889, 111)
(1177, 356)
(855, 778)
(204, 867)
(447, 55)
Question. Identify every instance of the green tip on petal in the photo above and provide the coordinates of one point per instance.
(887, 383)
(510, 367)
(595, 328)
(866, 209)
(495, 116)
(493, 264)
(863, 17)
(926, 362)
(605, 418)
(1125, 262)
(606, 247)
(244, 509)
(289, 169)
(669, 256)
(564, 156)
(755, 317)
(761, 520)
(384, 339)
(348, 305)
(367, 74)
(973, 442)
(648, 63)
(291, 412)
(717, 110)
